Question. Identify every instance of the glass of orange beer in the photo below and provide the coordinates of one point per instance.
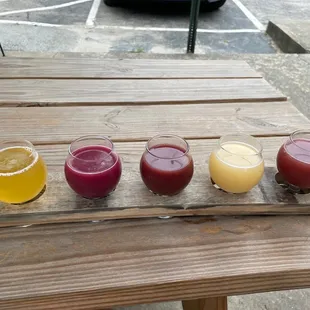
(23, 172)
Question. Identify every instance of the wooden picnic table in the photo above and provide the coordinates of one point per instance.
(70, 262)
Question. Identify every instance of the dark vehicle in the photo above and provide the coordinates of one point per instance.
(205, 5)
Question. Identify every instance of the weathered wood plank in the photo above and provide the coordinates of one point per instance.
(137, 123)
(132, 199)
(215, 303)
(112, 92)
(114, 263)
(94, 68)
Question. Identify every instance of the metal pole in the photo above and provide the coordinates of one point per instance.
(2, 51)
(193, 24)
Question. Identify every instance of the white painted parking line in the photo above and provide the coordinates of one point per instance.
(228, 30)
(21, 22)
(177, 29)
(160, 29)
(249, 15)
(45, 8)
(90, 22)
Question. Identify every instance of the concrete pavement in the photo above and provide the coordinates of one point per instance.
(65, 25)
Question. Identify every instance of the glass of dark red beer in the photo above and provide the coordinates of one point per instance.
(293, 160)
(166, 166)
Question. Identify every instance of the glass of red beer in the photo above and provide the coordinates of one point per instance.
(293, 160)
(93, 169)
(166, 166)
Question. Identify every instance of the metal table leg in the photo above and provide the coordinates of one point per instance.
(193, 24)
(2, 51)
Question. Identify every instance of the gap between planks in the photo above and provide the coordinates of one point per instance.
(128, 140)
(81, 216)
(132, 78)
(34, 104)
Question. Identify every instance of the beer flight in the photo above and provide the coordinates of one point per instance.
(93, 168)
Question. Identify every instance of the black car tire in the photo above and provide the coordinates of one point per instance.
(207, 6)
(111, 2)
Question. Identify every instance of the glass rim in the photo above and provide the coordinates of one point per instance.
(235, 139)
(18, 143)
(291, 138)
(89, 137)
(168, 136)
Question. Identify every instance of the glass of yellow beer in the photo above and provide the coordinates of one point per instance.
(236, 165)
(22, 172)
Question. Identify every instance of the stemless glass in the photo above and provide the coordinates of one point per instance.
(293, 160)
(23, 172)
(236, 165)
(166, 166)
(93, 169)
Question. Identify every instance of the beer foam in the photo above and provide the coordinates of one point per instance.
(239, 155)
(33, 153)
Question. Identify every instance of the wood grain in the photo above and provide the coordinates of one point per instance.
(215, 303)
(86, 68)
(114, 263)
(90, 266)
(131, 199)
(139, 123)
(112, 92)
